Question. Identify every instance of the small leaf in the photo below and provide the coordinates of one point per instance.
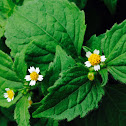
(72, 95)
(86, 49)
(21, 113)
(4, 102)
(104, 75)
(114, 48)
(8, 77)
(61, 63)
(111, 5)
(95, 42)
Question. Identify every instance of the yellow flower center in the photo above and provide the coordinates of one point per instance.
(34, 76)
(10, 94)
(94, 59)
(30, 102)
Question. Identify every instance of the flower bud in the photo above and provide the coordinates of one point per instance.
(91, 76)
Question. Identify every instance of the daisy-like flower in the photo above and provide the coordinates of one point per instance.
(30, 102)
(94, 59)
(9, 95)
(34, 76)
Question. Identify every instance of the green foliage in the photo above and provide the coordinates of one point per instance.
(20, 66)
(55, 27)
(95, 43)
(6, 9)
(80, 3)
(104, 75)
(61, 63)
(8, 77)
(112, 110)
(72, 95)
(111, 5)
(49, 34)
(114, 48)
(21, 113)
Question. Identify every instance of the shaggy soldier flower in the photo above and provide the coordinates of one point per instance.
(34, 76)
(94, 59)
(9, 95)
(30, 102)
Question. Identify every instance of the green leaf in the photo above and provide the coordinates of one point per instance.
(113, 108)
(4, 102)
(8, 77)
(21, 113)
(95, 42)
(111, 5)
(44, 28)
(104, 75)
(6, 9)
(114, 48)
(80, 3)
(72, 95)
(20, 66)
(62, 62)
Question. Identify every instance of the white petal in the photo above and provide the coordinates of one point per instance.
(8, 99)
(87, 64)
(40, 78)
(97, 67)
(13, 98)
(37, 70)
(7, 89)
(96, 51)
(32, 69)
(5, 95)
(88, 54)
(29, 98)
(103, 58)
(33, 82)
(27, 77)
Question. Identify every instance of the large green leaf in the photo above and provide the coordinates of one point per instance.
(8, 77)
(80, 3)
(112, 111)
(21, 113)
(72, 95)
(4, 102)
(111, 5)
(50, 23)
(61, 63)
(6, 9)
(114, 48)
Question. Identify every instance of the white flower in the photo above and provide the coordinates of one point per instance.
(34, 76)
(30, 102)
(94, 59)
(9, 95)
